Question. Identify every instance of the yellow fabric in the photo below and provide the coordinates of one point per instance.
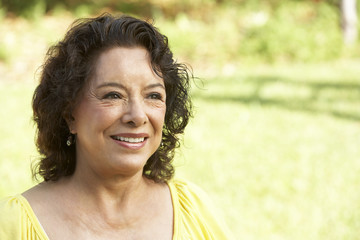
(193, 216)
(18, 221)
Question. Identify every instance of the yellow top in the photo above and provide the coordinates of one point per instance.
(193, 216)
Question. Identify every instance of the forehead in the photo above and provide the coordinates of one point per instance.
(123, 56)
(120, 63)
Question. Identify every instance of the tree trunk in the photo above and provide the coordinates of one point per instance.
(349, 21)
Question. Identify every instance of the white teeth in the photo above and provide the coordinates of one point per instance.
(131, 140)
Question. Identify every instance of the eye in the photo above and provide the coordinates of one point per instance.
(156, 96)
(112, 95)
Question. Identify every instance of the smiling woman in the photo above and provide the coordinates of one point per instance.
(109, 109)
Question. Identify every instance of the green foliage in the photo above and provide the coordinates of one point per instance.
(290, 32)
(3, 54)
(223, 31)
(295, 31)
(32, 9)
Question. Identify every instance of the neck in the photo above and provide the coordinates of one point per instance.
(117, 189)
(107, 183)
(116, 199)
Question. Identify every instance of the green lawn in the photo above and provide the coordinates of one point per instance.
(17, 148)
(278, 149)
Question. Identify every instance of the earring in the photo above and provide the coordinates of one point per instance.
(70, 140)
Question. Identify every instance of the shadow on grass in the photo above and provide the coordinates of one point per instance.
(336, 98)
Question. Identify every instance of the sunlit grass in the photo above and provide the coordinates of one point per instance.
(17, 137)
(281, 163)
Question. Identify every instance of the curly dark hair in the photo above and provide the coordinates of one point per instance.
(67, 69)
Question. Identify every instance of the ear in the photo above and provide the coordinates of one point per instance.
(71, 124)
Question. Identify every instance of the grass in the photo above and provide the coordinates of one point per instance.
(276, 147)
(278, 150)
(17, 138)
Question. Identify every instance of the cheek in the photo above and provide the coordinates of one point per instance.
(93, 118)
(159, 117)
(107, 115)
(103, 118)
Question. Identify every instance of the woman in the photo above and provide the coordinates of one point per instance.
(109, 107)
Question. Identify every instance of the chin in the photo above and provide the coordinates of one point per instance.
(128, 166)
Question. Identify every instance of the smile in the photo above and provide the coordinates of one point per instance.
(128, 139)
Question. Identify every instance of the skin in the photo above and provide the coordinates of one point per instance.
(107, 197)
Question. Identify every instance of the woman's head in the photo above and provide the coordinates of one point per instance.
(67, 71)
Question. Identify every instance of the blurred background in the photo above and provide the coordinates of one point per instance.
(275, 137)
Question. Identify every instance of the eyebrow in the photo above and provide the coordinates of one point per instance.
(155, 85)
(111, 84)
(119, 85)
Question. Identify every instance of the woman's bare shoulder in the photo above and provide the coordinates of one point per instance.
(44, 196)
(39, 191)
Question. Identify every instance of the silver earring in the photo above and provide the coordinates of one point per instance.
(69, 140)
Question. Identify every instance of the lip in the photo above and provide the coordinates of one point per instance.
(131, 145)
(132, 135)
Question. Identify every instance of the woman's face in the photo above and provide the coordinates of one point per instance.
(119, 119)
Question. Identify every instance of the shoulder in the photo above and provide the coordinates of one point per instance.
(10, 207)
(191, 197)
(11, 211)
(18, 220)
(185, 188)
(195, 212)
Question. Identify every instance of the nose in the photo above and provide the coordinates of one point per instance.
(135, 114)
